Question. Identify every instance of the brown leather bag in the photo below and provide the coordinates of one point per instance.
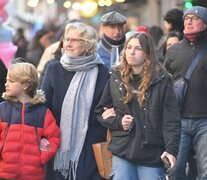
(103, 157)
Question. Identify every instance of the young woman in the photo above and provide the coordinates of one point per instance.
(73, 87)
(29, 136)
(145, 124)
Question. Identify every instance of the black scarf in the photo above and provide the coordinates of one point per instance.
(108, 43)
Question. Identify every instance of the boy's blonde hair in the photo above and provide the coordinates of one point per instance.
(25, 73)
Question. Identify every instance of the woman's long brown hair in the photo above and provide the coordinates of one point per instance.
(149, 68)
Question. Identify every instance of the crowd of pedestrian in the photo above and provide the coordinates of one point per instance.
(60, 94)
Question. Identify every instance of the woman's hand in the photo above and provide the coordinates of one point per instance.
(108, 112)
(166, 156)
(126, 121)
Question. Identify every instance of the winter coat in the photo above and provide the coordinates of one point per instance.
(3, 74)
(156, 125)
(22, 126)
(178, 58)
(55, 84)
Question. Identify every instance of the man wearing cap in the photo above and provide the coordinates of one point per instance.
(112, 39)
(194, 110)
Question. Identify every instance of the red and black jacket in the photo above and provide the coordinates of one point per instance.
(22, 126)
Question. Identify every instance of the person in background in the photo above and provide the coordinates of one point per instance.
(29, 136)
(112, 38)
(156, 32)
(73, 87)
(21, 42)
(193, 111)
(57, 54)
(170, 39)
(7, 48)
(3, 74)
(173, 21)
(36, 47)
(145, 124)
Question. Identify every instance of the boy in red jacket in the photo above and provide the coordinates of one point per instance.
(29, 136)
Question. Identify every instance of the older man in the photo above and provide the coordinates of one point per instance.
(112, 38)
(194, 110)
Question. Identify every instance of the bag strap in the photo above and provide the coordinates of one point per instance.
(195, 62)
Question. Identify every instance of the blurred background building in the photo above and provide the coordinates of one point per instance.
(34, 14)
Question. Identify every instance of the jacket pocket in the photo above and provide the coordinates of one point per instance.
(152, 136)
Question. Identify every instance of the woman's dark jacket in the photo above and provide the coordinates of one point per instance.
(3, 74)
(156, 125)
(178, 58)
(55, 84)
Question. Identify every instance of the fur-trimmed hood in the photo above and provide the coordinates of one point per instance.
(39, 98)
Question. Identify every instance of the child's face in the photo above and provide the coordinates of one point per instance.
(14, 88)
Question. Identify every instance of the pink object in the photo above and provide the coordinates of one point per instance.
(7, 52)
(3, 3)
(142, 29)
(3, 15)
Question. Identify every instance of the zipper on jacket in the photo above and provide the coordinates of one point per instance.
(144, 138)
(22, 139)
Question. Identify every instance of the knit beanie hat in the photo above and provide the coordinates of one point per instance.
(199, 11)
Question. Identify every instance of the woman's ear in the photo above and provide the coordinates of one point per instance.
(88, 47)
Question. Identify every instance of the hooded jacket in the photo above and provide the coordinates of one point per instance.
(156, 125)
(22, 126)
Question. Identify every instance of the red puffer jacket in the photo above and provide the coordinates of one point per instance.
(21, 129)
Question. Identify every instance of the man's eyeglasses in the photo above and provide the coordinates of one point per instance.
(192, 18)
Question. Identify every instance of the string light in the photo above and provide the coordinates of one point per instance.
(76, 6)
(120, 1)
(67, 4)
(89, 8)
(50, 1)
(33, 3)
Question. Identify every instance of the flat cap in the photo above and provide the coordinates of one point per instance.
(113, 18)
(199, 11)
